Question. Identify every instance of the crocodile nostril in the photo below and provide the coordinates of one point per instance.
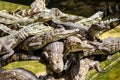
(57, 61)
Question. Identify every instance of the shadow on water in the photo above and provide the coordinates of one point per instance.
(23, 2)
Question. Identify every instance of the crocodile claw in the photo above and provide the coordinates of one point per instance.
(103, 71)
(9, 51)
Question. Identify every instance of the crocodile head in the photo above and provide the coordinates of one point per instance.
(95, 29)
(56, 62)
(54, 54)
(50, 36)
(61, 34)
(74, 44)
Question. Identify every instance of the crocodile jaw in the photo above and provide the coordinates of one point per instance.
(65, 33)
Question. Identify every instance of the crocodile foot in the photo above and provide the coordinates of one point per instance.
(97, 67)
(103, 71)
(5, 47)
(9, 51)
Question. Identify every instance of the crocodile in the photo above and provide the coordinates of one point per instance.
(71, 25)
(17, 74)
(98, 16)
(75, 44)
(19, 56)
(40, 40)
(94, 19)
(41, 4)
(109, 46)
(81, 68)
(96, 29)
(7, 43)
(53, 53)
(45, 14)
(92, 31)
(5, 30)
(7, 18)
(49, 14)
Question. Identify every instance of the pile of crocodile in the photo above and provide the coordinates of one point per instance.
(67, 44)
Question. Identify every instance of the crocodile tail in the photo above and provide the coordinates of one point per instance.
(28, 12)
(114, 22)
(111, 23)
(111, 10)
(18, 57)
(17, 74)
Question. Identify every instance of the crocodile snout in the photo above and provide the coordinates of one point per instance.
(86, 46)
(57, 66)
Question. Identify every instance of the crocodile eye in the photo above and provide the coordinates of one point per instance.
(79, 43)
(57, 61)
(51, 56)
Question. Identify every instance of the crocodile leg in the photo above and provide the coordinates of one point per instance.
(11, 41)
(7, 47)
(9, 50)
(81, 68)
(97, 67)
